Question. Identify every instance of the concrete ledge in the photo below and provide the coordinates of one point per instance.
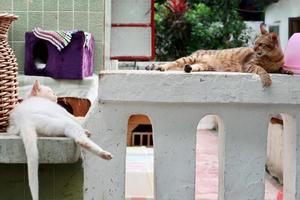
(200, 87)
(51, 150)
(138, 65)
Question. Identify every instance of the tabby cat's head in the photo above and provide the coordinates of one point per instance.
(39, 90)
(267, 45)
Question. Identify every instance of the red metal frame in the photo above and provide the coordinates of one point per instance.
(152, 26)
(131, 25)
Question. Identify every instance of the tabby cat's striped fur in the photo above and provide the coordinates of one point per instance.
(266, 56)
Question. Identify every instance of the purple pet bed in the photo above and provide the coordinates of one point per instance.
(73, 62)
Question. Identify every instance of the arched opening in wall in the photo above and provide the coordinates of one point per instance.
(207, 160)
(280, 135)
(139, 181)
(210, 129)
(40, 54)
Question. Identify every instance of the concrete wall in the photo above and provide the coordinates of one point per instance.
(87, 15)
(278, 14)
(175, 102)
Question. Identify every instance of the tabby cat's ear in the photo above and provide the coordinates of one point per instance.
(35, 88)
(274, 37)
(263, 29)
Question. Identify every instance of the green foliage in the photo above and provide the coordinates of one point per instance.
(203, 26)
(172, 33)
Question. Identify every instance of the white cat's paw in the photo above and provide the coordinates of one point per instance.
(106, 155)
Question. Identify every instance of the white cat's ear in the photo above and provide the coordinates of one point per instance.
(35, 88)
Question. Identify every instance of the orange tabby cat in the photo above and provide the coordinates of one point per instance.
(266, 56)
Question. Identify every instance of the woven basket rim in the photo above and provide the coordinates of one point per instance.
(8, 69)
(8, 16)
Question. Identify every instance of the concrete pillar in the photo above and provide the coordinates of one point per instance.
(103, 179)
(291, 157)
(175, 152)
(243, 148)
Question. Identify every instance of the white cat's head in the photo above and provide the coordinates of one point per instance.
(39, 90)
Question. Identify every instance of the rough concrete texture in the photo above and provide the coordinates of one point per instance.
(51, 150)
(175, 102)
(208, 87)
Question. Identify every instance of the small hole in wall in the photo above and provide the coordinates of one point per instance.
(274, 162)
(139, 181)
(40, 54)
(62, 102)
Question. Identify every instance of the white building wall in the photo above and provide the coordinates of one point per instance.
(253, 30)
(278, 14)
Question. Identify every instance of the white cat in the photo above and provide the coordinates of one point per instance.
(39, 114)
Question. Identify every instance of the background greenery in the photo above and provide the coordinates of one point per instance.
(204, 24)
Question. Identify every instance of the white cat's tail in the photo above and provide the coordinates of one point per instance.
(29, 137)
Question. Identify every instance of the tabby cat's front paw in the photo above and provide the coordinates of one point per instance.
(188, 68)
(154, 67)
(266, 81)
(150, 67)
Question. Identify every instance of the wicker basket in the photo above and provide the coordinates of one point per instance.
(8, 72)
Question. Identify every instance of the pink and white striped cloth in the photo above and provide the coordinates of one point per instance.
(60, 39)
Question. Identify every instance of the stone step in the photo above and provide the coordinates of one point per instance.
(51, 150)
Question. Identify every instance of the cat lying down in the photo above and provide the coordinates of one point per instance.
(39, 114)
(264, 57)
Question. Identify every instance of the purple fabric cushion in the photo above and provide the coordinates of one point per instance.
(74, 62)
